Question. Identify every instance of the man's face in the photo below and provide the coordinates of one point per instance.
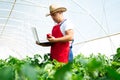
(56, 17)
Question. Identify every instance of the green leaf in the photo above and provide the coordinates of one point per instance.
(94, 64)
(113, 74)
(63, 72)
(7, 73)
(29, 72)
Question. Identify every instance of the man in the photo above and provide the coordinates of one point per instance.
(62, 36)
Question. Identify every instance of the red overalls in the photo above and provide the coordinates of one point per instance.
(59, 50)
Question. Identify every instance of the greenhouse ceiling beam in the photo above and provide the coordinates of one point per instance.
(8, 18)
(98, 38)
(31, 4)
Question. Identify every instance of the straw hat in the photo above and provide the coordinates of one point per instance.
(55, 8)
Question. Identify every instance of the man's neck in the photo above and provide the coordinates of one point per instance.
(61, 20)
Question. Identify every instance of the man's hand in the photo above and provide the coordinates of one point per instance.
(52, 39)
(38, 43)
(68, 37)
(49, 35)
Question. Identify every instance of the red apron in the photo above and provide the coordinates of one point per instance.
(59, 50)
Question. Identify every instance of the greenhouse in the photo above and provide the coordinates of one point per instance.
(96, 46)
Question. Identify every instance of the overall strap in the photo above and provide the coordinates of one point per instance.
(71, 43)
(63, 22)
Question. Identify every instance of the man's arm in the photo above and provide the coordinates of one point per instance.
(68, 37)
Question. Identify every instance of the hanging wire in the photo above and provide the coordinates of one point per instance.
(85, 10)
(97, 23)
(106, 21)
(8, 18)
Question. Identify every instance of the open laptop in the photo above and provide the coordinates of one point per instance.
(35, 34)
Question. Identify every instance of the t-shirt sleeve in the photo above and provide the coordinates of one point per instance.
(66, 26)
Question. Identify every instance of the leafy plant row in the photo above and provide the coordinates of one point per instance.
(94, 67)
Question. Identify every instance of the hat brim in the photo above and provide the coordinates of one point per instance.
(61, 9)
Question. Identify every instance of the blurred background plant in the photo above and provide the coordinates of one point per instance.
(94, 67)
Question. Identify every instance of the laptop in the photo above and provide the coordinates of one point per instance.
(35, 34)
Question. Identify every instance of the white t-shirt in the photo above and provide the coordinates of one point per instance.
(66, 25)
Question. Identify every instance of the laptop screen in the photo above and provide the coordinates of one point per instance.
(36, 37)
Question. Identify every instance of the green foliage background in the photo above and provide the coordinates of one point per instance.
(94, 67)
